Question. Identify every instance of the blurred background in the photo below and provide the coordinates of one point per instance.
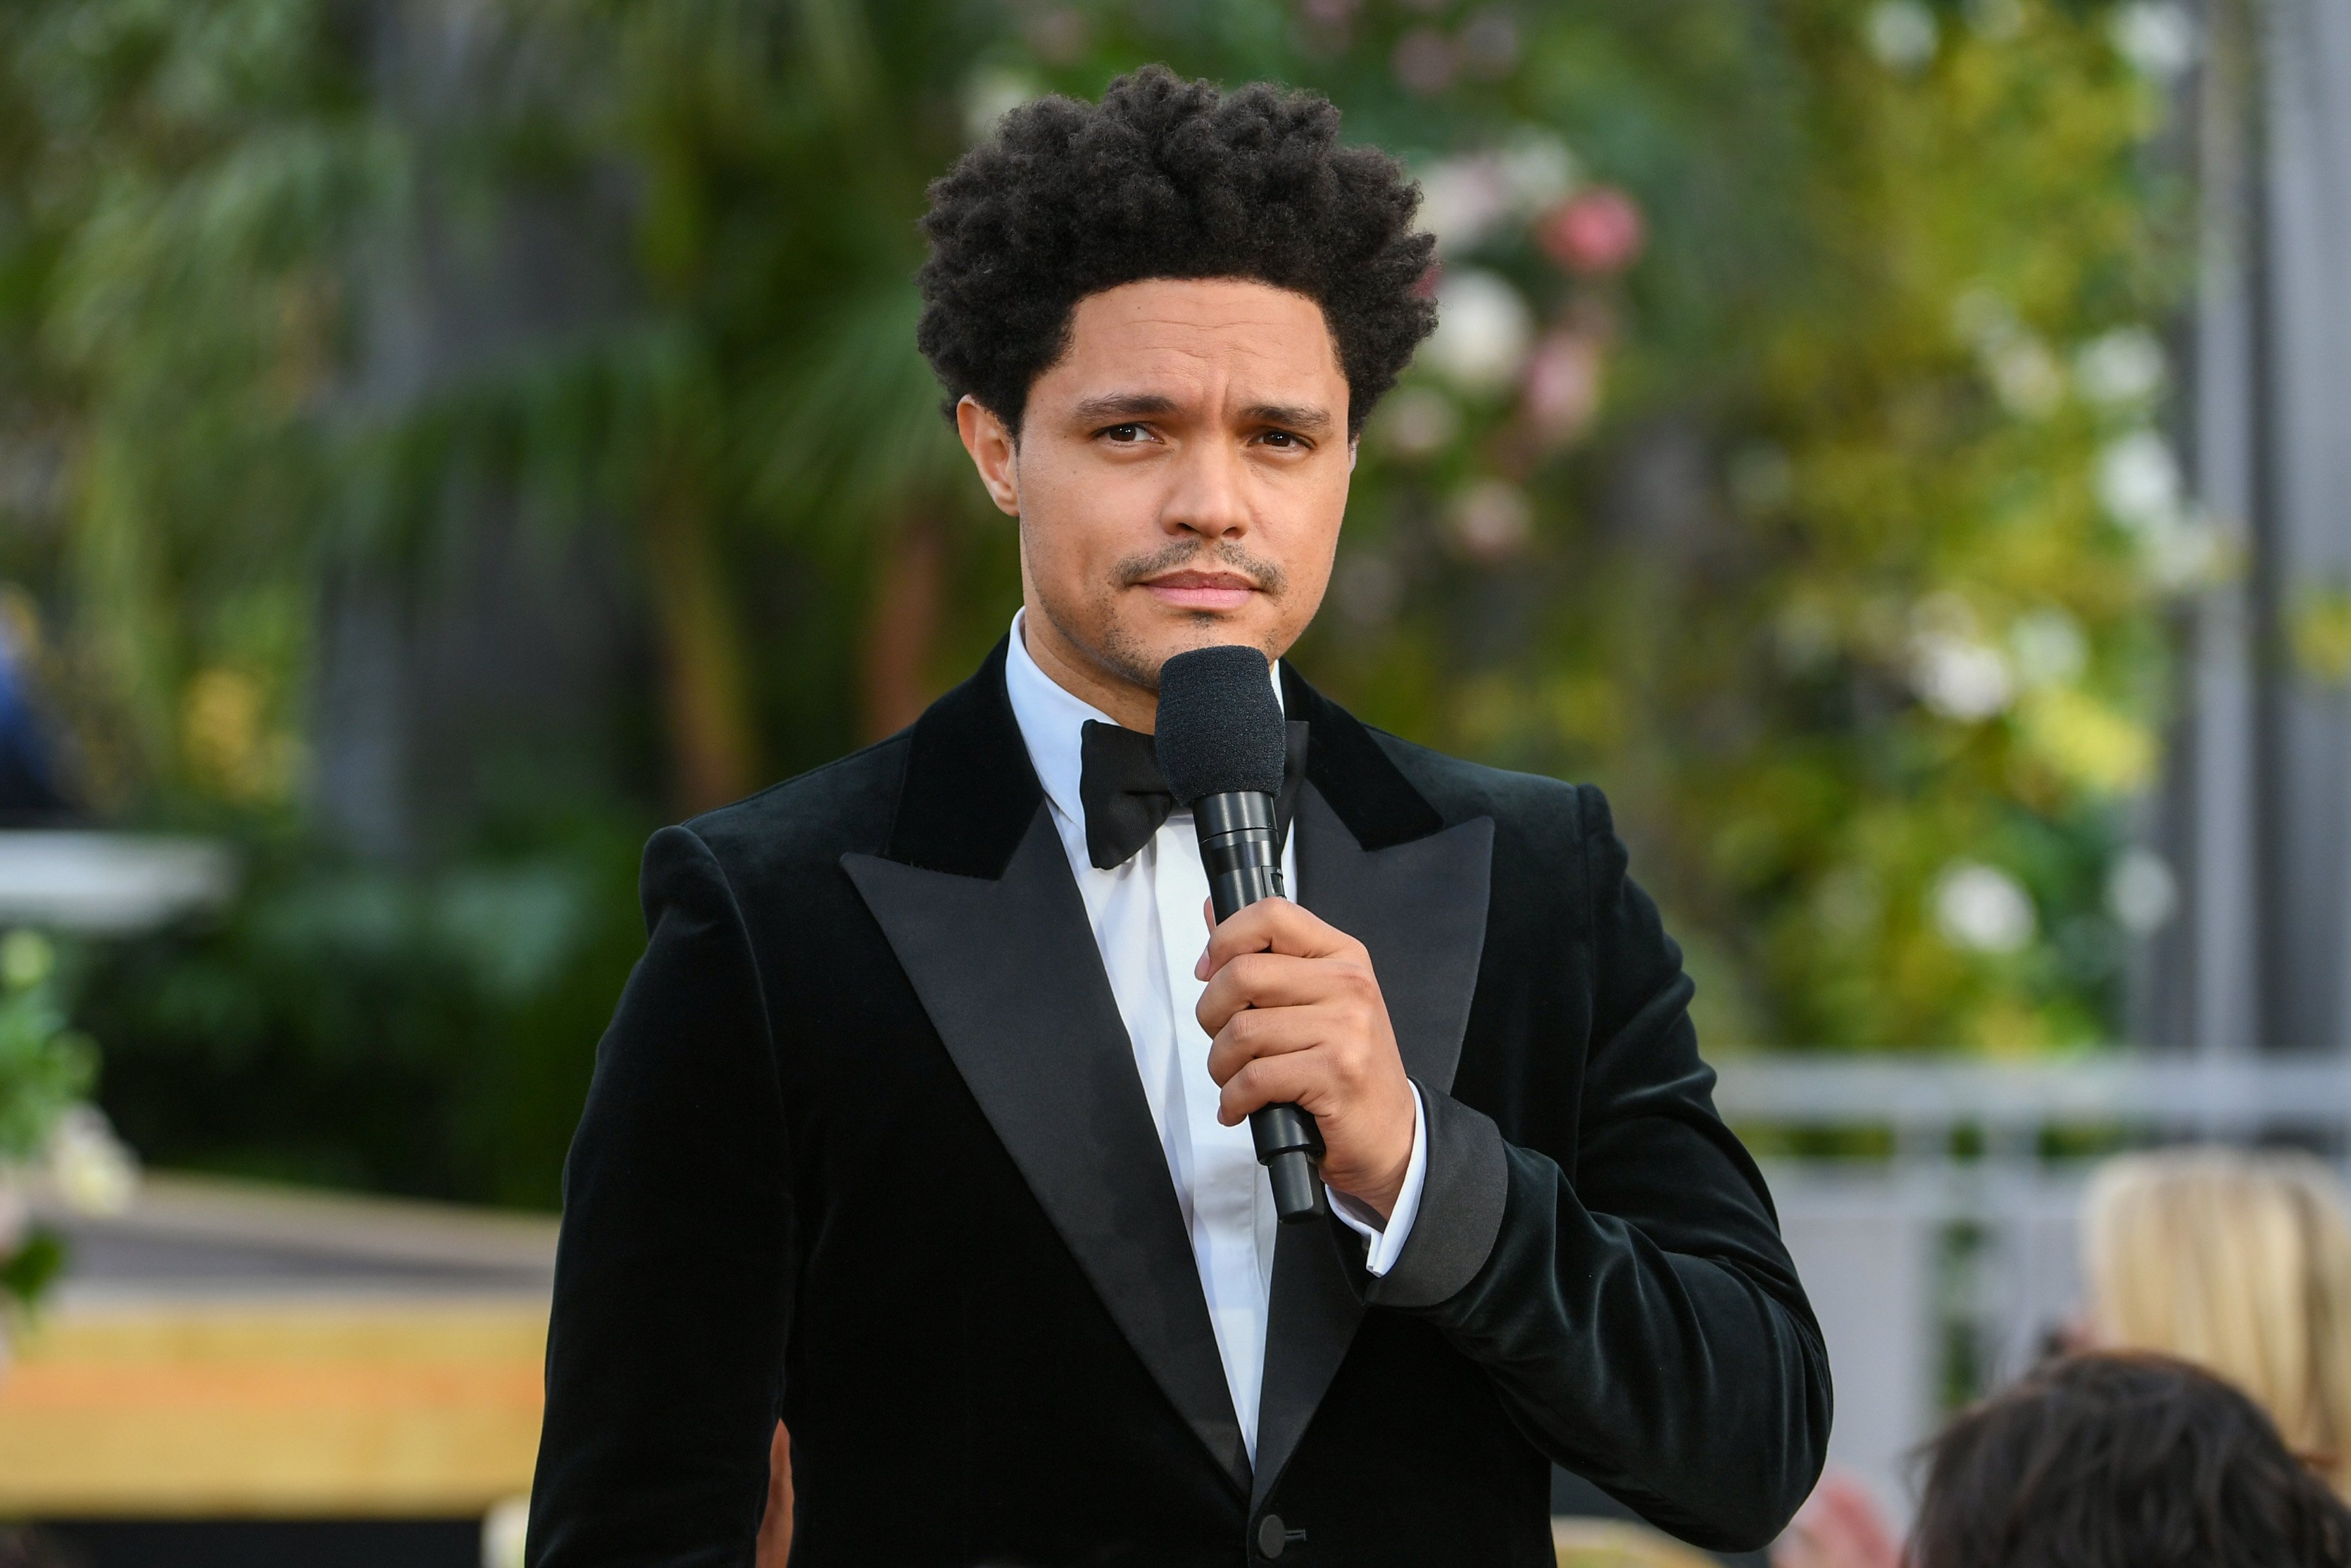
(1899, 448)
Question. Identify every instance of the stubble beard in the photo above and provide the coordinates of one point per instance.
(1117, 649)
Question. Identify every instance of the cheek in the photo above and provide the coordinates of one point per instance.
(1320, 511)
(1068, 523)
(1099, 502)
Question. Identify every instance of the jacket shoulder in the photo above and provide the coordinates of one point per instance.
(806, 823)
(1529, 805)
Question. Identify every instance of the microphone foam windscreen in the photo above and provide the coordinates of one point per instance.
(1219, 729)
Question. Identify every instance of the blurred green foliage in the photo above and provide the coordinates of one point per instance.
(46, 1069)
(1789, 462)
(352, 1025)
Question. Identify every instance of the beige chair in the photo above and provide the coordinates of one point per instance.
(1607, 1544)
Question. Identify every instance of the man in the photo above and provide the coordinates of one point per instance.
(923, 1122)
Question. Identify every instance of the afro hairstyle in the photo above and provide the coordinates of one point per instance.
(1167, 178)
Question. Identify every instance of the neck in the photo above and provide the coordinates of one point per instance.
(1078, 672)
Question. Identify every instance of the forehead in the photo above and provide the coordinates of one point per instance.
(1206, 336)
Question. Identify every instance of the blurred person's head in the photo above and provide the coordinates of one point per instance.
(2240, 1263)
(1161, 321)
(2122, 1461)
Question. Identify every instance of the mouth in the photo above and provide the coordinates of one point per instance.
(1200, 589)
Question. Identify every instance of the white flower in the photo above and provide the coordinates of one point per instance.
(1463, 200)
(2120, 367)
(1958, 676)
(1981, 908)
(2183, 553)
(2156, 37)
(1468, 196)
(2025, 374)
(2141, 893)
(990, 94)
(2139, 484)
(1483, 330)
(94, 1171)
(1537, 169)
(1417, 422)
(2022, 372)
(2138, 481)
(1902, 33)
(2047, 648)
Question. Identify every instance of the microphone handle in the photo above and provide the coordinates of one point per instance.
(1242, 855)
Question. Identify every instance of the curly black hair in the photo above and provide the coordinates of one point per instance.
(2123, 1461)
(1167, 178)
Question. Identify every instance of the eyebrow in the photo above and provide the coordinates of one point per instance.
(1114, 406)
(1123, 405)
(1290, 416)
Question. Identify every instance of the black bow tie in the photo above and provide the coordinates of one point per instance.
(1125, 795)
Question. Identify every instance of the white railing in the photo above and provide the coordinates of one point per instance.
(1941, 1265)
(2227, 1096)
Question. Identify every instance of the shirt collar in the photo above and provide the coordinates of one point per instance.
(1053, 722)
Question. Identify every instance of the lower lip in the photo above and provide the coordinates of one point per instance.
(1201, 597)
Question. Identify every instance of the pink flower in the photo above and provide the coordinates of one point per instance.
(1560, 390)
(1596, 232)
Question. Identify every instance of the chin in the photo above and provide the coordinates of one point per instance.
(1135, 644)
(1215, 630)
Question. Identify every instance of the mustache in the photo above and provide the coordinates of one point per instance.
(1176, 554)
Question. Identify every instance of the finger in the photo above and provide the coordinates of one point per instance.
(1295, 1078)
(1276, 925)
(1275, 980)
(1253, 1034)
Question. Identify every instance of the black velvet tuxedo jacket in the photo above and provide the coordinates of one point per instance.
(866, 1148)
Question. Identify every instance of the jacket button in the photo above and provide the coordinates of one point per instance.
(1270, 1536)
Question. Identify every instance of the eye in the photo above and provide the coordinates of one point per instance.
(1125, 434)
(1283, 439)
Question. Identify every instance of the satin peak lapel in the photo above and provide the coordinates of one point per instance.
(1420, 907)
(1007, 971)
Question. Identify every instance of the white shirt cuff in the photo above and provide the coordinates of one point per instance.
(1382, 1243)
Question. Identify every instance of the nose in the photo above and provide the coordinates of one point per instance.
(1209, 497)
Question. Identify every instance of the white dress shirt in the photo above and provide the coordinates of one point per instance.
(1148, 925)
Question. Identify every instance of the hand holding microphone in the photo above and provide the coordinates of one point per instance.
(1300, 1038)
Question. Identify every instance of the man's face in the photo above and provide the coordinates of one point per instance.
(1180, 477)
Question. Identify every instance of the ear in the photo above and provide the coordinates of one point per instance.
(1354, 450)
(993, 453)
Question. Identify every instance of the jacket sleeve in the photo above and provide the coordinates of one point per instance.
(672, 1273)
(1637, 1314)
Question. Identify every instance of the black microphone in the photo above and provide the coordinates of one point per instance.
(1221, 744)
